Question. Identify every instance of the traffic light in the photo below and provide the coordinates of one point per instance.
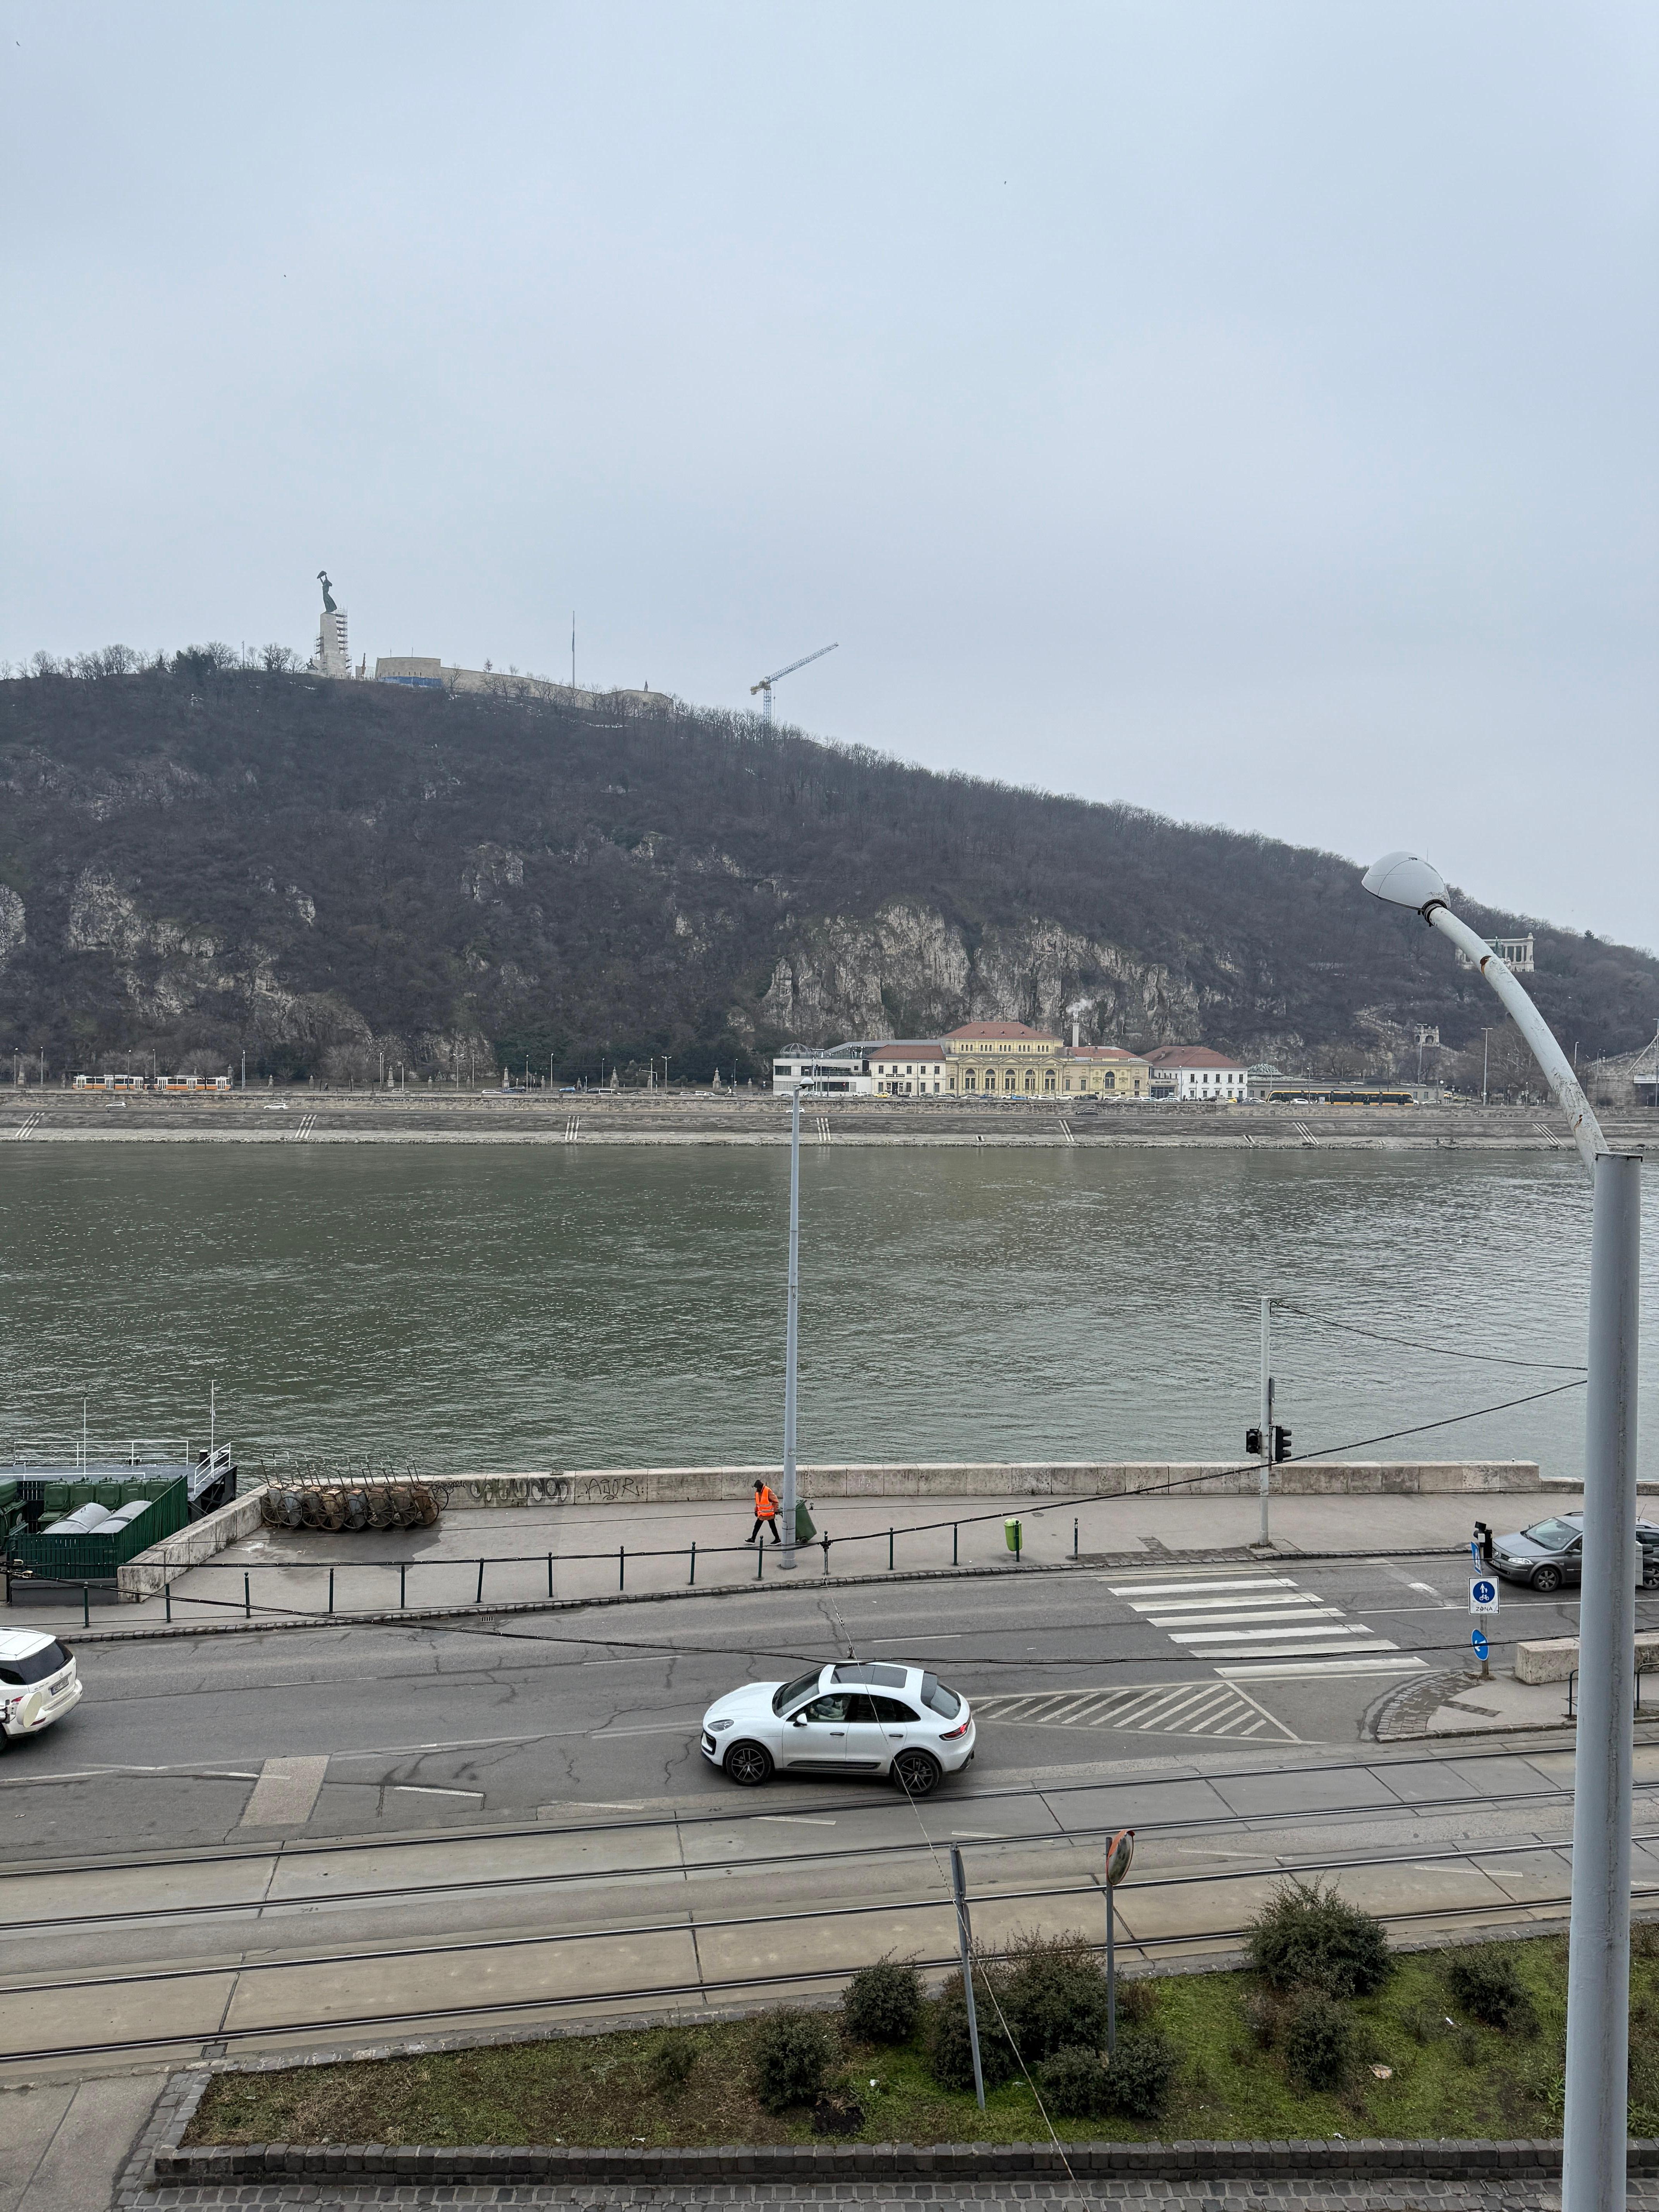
(1281, 1445)
(1253, 1442)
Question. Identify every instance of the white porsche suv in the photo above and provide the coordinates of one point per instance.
(39, 1682)
(859, 1719)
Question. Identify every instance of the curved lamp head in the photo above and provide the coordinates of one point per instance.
(1405, 879)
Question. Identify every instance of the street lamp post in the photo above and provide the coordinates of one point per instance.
(1598, 1969)
(792, 1337)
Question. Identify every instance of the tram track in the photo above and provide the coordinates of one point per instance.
(981, 1797)
(1210, 1941)
(758, 1863)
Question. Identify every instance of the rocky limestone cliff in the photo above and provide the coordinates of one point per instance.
(912, 972)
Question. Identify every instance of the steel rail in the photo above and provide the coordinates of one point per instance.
(1047, 1839)
(426, 2013)
(688, 1924)
(323, 1847)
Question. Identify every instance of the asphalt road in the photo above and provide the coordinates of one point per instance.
(312, 1840)
(424, 1726)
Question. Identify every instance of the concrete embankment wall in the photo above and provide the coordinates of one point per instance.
(148, 1574)
(152, 1570)
(685, 1485)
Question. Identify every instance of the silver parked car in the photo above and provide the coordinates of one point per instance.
(1551, 1553)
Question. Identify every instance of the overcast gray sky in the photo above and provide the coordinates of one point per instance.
(1246, 411)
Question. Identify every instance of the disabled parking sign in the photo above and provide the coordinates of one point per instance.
(1483, 1594)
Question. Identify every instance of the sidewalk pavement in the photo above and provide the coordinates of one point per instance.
(288, 1571)
(64, 2144)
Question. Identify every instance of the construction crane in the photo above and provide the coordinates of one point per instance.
(764, 687)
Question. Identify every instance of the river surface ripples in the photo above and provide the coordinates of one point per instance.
(587, 1307)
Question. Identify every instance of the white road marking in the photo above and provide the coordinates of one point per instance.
(1343, 1629)
(1228, 1605)
(1223, 1624)
(1203, 1582)
(1289, 1673)
(284, 1793)
(431, 1789)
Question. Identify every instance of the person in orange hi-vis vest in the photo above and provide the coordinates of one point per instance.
(766, 1513)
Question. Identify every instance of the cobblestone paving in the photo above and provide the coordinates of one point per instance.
(881, 2197)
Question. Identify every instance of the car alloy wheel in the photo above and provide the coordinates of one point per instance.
(1548, 1579)
(916, 1773)
(748, 1765)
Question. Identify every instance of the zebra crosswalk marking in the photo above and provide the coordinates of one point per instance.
(1262, 1617)
(1204, 1708)
(1197, 1581)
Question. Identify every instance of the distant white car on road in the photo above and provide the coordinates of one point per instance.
(861, 1719)
(39, 1682)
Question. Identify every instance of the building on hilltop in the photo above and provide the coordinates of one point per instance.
(1193, 1071)
(422, 672)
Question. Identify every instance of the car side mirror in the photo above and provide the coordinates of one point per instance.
(800, 1720)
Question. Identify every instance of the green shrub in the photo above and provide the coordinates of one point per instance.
(1486, 1985)
(789, 2056)
(1317, 2041)
(672, 2058)
(950, 2053)
(1137, 2002)
(1140, 2074)
(1306, 1933)
(883, 2003)
(1054, 1997)
(1073, 2083)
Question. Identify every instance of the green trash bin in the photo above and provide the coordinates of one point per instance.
(1012, 1531)
(804, 1531)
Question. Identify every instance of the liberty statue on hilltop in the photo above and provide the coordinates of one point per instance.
(333, 654)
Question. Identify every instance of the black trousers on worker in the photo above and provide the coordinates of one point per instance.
(767, 1521)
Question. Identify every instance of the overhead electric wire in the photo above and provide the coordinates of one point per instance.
(1438, 1351)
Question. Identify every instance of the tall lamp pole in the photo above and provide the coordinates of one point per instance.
(792, 1337)
(1598, 1969)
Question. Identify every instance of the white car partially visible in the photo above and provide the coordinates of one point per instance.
(862, 1719)
(39, 1682)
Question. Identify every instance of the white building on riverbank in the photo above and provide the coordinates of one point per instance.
(842, 1071)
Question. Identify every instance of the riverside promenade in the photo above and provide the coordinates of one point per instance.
(568, 1545)
(307, 1114)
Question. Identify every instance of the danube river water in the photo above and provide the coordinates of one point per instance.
(583, 1307)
